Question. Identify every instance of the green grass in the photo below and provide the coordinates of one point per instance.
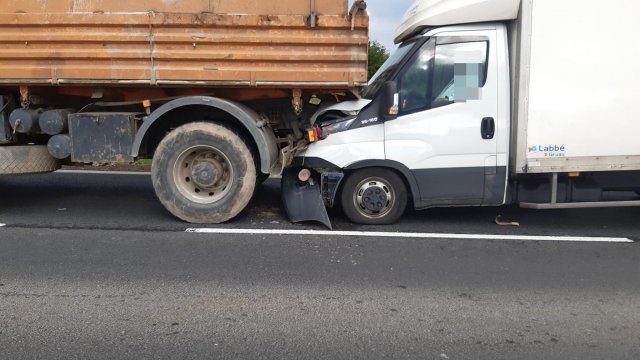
(143, 162)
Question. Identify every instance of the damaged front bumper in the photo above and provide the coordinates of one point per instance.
(305, 201)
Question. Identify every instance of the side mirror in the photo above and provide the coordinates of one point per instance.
(390, 100)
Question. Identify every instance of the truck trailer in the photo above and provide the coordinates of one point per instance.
(218, 93)
(485, 103)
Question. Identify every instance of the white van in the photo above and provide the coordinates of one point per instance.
(485, 103)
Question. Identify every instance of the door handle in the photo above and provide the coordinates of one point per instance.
(488, 128)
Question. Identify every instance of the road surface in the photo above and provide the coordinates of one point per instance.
(92, 267)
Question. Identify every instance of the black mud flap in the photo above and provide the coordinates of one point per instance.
(303, 201)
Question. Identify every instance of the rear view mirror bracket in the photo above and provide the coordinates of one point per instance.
(390, 100)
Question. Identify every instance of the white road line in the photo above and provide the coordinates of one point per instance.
(3, 225)
(408, 235)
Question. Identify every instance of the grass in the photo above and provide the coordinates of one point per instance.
(143, 162)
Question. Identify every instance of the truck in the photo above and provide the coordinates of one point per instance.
(484, 103)
(217, 93)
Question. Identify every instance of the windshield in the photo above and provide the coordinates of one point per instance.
(386, 71)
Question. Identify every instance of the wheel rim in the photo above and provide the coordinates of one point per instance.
(374, 198)
(203, 174)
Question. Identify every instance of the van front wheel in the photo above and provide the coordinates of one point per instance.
(374, 197)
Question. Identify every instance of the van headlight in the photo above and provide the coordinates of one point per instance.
(340, 126)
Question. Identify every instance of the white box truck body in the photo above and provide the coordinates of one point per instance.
(490, 102)
(576, 87)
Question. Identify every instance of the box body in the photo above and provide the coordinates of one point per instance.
(575, 86)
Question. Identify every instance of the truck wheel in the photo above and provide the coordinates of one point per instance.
(204, 173)
(26, 159)
(374, 197)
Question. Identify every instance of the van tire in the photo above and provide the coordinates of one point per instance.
(26, 159)
(204, 173)
(374, 196)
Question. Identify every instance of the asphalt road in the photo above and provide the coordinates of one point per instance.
(92, 267)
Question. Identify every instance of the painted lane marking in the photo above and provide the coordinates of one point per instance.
(3, 225)
(408, 235)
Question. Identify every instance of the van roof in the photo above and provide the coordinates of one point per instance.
(428, 13)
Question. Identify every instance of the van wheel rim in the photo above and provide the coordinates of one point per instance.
(203, 174)
(374, 198)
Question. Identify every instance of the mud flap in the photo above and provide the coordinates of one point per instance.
(303, 201)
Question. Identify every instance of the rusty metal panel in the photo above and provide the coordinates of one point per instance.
(247, 7)
(262, 43)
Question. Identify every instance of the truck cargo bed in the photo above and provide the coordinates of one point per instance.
(272, 43)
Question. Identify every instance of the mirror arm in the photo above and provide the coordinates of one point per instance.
(390, 100)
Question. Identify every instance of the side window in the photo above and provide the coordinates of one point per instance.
(459, 72)
(414, 81)
(456, 73)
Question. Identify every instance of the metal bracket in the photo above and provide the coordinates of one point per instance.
(153, 75)
(296, 101)
(554, 188)
(24, 97)
(358, 6)
(313, 18)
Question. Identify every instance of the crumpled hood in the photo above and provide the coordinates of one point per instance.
(351, 107)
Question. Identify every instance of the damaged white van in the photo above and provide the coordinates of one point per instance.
(484, 103)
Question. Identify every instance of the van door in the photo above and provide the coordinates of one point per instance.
(446, 129)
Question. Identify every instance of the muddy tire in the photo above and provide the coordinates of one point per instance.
(26, 159)
(374, 197)
(204, 173)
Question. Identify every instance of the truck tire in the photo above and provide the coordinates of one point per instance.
(374, 196)
(204, 173)
(26, 159)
